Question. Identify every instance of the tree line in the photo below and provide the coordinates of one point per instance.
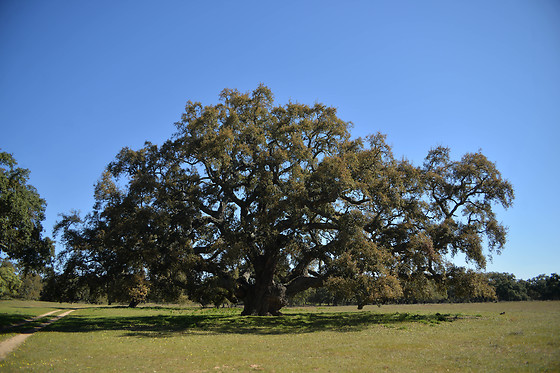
(258, 204)
(497, 287)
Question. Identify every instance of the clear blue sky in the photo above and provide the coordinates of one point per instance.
(79, 80)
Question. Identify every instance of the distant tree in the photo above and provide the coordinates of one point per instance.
(31, 286)
(467, 285)
(21, 212)
(320, 296)
(9, 280)
(51, 291)
(256, 202)
(544, 287)
(136, 290)
(420, 289)
(507, 287)
(553, 287)
(72, 285)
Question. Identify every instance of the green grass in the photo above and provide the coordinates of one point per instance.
(14, 312)
(430, 338)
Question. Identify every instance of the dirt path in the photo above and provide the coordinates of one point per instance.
(28, 320)
(9, 345)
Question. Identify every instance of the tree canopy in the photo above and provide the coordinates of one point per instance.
(254, 202)
(21, 212)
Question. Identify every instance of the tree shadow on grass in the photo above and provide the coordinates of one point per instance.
(20, 323)
(9, 319)
(170, 325)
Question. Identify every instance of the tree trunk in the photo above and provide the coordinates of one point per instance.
(263, 297)
(264, 300)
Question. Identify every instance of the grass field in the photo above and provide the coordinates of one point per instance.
(402, 338)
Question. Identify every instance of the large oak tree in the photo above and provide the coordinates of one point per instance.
(256, 202)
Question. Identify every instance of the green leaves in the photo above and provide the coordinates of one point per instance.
(265, 198)
(9, 280)
(461, 195)
(21, 212)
